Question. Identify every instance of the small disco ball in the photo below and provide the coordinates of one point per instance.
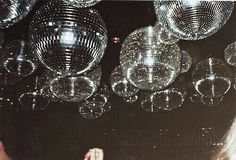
(212, 78)
(68, 40)
(82, 3)
(148, 64)
(193, 19)
(12, 11)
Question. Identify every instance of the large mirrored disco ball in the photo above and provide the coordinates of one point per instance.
(76, 88)
(12, 11)
(193, 19)
(212, 78)
(18, 58)
(146, 63)
(82, 3)
(68, 40)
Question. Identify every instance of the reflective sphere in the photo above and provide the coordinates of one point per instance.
(18, 58)
(68, 40)
(212, 78)
(193, 19)
(146, 63)
(76, 88)
(12, 11)
(82, 3)
(164, 36)
(211, 102)
(171, 98)
(131, 99)
(186, 62)
(230, 54)
(120, 85)
(147, 102)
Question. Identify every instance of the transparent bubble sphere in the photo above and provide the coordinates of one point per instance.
(120, 85)
(212, 78)
(230, 54)
(146, 63)
(186, 62)
(12, 11)
(18, 58)
(76, 88)
(68, 40)
(193, 19)
(82, 3)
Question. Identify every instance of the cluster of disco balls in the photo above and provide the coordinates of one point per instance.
(69, 39)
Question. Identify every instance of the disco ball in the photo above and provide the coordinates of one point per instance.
(186, 62)
(120, 85)
(146, 63)
(18, 58)
(68, 40)
(193, 19)
(212, 78)
(230, 54)
(172, 97)
(12, 11)
(164, 36)
(82, 3)
(76, 88)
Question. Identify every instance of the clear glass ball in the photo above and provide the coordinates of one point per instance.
(18, 58)
(171, 98)
(131, 99)
(76, 88)
(82, 3)
(12, 11)
(230, 54)
(211, 102)
(193, 19)
(164, 36)
(33, 101)
(186, 62)
(146, 102)
(212, 78)
(146, 63)
(68, 40)
(120, 85)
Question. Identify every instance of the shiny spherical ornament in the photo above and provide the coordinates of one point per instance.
(164, 36)
(171, 98)
(230, 54)
(193, 19)
(146, 63)
(186, 62)
(12, 11)
(76, 88)
(18, 58)
(131, 99)
(33, 101)
(212, 78)
(120, 85)
(82, 3)
(68, 40)
(211, 102)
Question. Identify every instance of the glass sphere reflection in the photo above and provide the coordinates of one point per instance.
(164, 36)
(212, 78)
(230, 54)
(82, 3)
(76, 88)
(12, 11)
(171, 98)
(131, 99)
(147, 102)
(68, 40)
(193, 19)
(211, 102)
(146, 63)
(186, 62)
(18, 58)
(120, 85)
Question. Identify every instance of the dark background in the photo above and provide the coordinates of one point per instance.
(127, 132)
